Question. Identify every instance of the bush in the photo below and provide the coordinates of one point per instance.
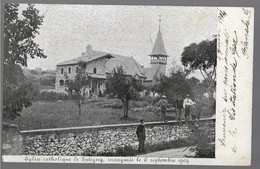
(52, 96)
(201, 138)
(205, 151)
(106, 103)
(156, 100)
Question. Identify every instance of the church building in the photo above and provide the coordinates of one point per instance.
(158, 61)
(100, 64)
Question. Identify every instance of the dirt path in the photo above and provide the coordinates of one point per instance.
(173, 153)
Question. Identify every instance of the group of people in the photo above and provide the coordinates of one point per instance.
(191, 108)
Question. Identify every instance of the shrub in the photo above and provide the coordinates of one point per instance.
(156, 100)
(205, 151)
(52, 96)
(148, 99)
(201, 138)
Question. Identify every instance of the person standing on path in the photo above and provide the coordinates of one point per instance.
(163, 104)
(178, 105)
(141, 136)
(187, 103)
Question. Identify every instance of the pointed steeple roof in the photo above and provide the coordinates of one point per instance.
(158, 48)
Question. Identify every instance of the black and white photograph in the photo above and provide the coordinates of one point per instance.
(111, 81)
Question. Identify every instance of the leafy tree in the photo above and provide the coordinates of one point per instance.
(202, 56)
(124, 87)
(208, 85)
(173, 85)
(195, 87)
(76, 87)
(19, 45)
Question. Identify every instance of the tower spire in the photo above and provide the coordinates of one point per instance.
(160, 22)
(158, 48)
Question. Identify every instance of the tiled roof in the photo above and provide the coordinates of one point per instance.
(130, 66)
(87, 57)
(150, 73)
(158, 48)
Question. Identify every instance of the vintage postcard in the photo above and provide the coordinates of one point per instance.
(117, 84)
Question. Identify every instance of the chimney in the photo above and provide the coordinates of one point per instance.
(89, 47)
(89, 51)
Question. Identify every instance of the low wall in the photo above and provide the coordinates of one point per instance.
(98, 139)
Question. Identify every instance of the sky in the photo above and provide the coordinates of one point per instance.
(123, 30)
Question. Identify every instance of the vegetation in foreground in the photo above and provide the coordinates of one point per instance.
(42, 115)
(100, 111)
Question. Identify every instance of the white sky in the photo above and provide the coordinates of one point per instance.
(124, 30)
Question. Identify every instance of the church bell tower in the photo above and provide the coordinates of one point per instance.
(158, 57)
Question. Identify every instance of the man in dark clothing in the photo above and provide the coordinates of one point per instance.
(141, 136)
(163, 104)
(178, 105)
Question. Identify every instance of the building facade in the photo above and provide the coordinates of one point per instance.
(100, 64)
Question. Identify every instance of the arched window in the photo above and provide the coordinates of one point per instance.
(95, 70)
(61, 70)
(77, 69)
(61, 82)
(69, 70)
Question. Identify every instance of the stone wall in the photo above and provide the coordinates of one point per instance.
(103, 139)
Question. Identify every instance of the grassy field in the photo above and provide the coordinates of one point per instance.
(42, 115)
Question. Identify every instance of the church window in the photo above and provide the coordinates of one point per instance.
(61, 82)
(95, 70)
(77, 69)
(69, 70)
(61, 70)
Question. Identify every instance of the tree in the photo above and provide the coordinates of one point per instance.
(19, 45)
(173, 85)
(195, 87)
(76, 87)
(202, 56)
(124, 87)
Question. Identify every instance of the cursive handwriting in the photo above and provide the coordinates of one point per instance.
(234, 45)
(219, 42)
(246, 23)
(233, 87)
(234, 148)
(222, 140)
(233, 132)
(222, 14)
(226, 58)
